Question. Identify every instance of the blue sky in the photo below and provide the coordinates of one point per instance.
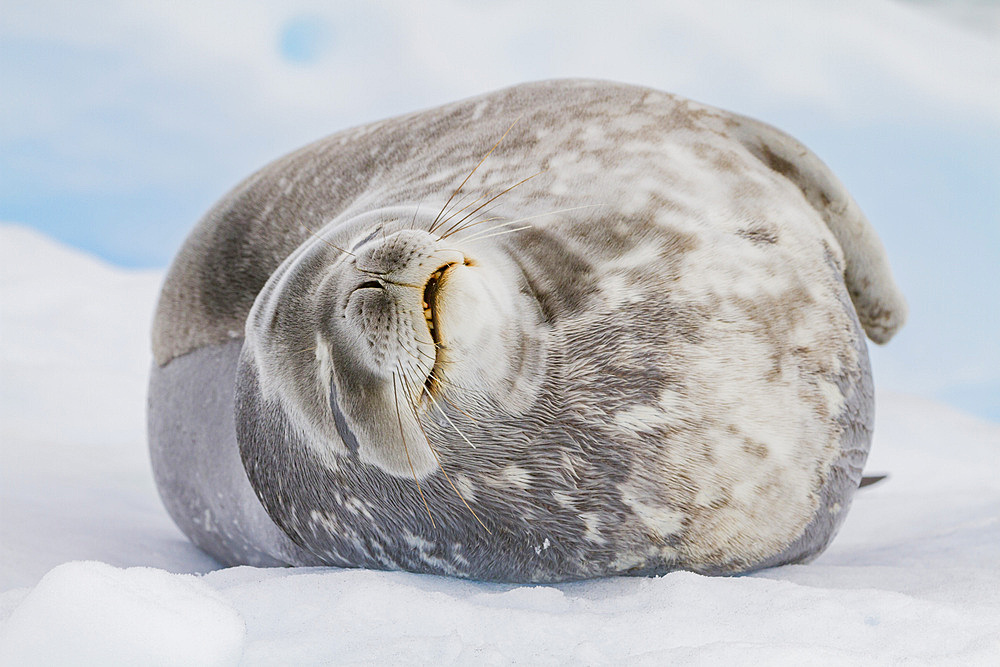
(121, 123)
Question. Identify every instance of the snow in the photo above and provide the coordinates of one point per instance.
(142, 616)
(92, 571)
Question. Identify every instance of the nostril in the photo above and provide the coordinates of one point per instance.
(371, 283)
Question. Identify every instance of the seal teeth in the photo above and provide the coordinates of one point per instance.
(430, 315)
(430, 291)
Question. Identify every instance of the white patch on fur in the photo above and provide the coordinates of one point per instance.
(834, 398)
(423, 549)
(616, 290)
(641, 419)
(660, 521)
(641, 255)
(564, 499)
(544, 546)
(357, 506)
(325, 374)
(465, 487)
(517, 476)
(667, 413)
(763, 412)
(417, 543)
(592, 520)
(478, 110)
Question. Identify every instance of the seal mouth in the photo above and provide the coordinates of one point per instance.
(433, 325)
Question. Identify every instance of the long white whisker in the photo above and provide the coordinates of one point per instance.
(445, 415)
(461, 224)
(446, 475)
(514, 222)
(407, 449)
(489, 230)
(480, 237)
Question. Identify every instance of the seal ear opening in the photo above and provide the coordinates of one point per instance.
(877, 300)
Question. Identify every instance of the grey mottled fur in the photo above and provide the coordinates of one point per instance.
(680, 379)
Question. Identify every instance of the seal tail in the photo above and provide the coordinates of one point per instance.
(880, 305)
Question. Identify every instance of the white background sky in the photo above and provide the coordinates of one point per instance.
(121, 122)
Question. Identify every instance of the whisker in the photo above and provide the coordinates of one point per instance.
(438, 378)
(445, 415)
(451, 383)
(447, 476)
(488, 201)
(458, 226)
(449, 214)
(490, 152)
(530, 217)
(318, 236)
(407, 449)
(480, 237)
(478, 222)
(413, 221)
(452, 214)
(399, 339)
(491, 229)
(452, 404)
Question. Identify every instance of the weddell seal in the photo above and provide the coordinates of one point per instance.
(564, 330)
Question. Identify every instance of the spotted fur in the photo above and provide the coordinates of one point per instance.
(667, 370)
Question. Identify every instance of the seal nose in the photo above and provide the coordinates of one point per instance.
(394, 253)
(405, 257)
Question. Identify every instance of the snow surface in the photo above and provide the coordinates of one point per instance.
(93, 571)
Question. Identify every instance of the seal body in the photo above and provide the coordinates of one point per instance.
(565, 330)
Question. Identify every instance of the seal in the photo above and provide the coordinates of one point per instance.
(565, 330)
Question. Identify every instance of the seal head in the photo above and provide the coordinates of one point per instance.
(358, 343)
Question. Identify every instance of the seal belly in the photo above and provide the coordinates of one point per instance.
(196, 461)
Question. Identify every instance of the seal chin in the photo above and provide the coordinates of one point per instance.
(472, 318)
(401, 323)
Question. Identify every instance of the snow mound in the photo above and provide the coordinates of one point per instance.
(392, 618)
(92, 613)
(912, 577)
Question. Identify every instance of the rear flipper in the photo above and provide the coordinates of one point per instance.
(868, 480)
(880, 305)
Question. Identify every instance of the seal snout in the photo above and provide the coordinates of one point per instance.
(394, 302)
(406, 257)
